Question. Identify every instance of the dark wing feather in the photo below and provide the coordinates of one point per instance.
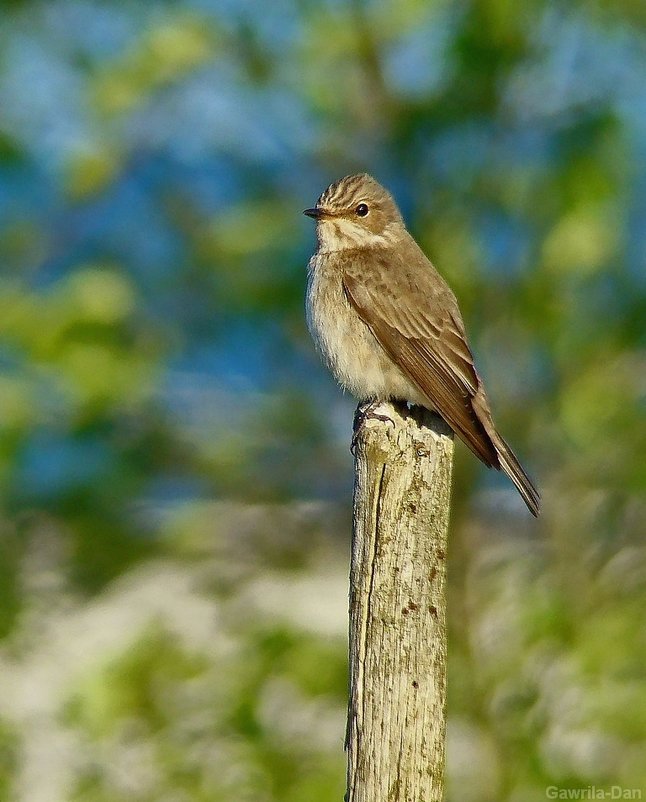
(441, 369)
(415, 318)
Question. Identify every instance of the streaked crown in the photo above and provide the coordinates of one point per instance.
(349, 192)
(356, 212)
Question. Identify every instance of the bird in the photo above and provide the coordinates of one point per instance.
(388, 325)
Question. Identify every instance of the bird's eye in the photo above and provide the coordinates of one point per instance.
(362, 210)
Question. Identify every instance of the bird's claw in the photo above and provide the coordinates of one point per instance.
(363, 413)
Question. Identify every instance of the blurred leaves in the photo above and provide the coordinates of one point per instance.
(163, 55)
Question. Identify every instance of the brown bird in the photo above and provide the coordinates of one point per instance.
(388, 324)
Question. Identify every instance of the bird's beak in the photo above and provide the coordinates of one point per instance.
(316, 213)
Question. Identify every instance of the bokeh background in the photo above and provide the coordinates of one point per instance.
(174, 468)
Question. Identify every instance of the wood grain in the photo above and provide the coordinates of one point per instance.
(397, 707)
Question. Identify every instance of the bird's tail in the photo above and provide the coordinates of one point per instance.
(511, 466)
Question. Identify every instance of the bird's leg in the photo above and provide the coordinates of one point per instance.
(364, 412)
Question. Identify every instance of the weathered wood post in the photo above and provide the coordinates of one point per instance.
(397, 707)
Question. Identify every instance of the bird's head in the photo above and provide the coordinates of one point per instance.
(356, 212)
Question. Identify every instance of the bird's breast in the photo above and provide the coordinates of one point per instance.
(348, 346)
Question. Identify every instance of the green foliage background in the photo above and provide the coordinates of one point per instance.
(174, 470)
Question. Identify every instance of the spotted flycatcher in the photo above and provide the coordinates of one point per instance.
(388, 324)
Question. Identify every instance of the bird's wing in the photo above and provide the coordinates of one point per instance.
(415, 318)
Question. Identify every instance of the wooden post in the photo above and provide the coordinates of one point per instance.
(397, 707)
